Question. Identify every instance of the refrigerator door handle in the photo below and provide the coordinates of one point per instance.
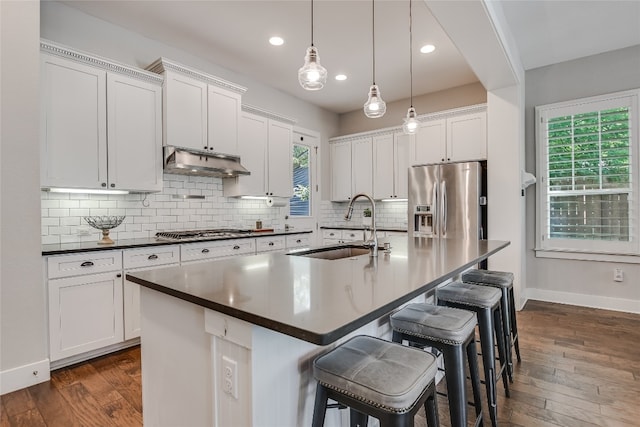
(435, 230)
(444, 209)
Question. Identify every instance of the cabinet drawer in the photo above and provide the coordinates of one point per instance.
(352, 235)
(298, 240)
(148, 257)
(217, 249)
(83, 263)
(228, 328)
(332, 234)
(266, 244)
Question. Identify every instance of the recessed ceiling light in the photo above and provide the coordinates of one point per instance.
(341, 77)
(276, 41)
(427, 48)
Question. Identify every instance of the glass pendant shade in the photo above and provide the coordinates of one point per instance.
(374, 107)
(410, 125)
(312, 75)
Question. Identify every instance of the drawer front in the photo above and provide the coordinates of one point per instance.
(266, 244)
(220, 249)
(332, 234)
(151, 256)
(352, 235)
(298, 240)
(228, 328)
(83, 263)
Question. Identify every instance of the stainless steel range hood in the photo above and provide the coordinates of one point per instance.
(186, 161)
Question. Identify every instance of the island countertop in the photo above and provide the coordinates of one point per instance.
(318, 300)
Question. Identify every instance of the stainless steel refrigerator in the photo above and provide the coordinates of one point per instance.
(448, 200)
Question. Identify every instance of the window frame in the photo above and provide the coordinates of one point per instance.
(310, 172)
(600, 250)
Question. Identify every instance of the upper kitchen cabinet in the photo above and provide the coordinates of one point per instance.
(101, 123)
(392, 155)
(265, 146)
(201, 111)
(351, 167)
(453, 136)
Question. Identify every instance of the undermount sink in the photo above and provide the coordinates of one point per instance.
(333, 252)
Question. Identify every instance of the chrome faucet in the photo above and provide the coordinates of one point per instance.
(372, 242)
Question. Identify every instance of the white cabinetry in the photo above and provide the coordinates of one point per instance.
(392, 155)
(203, 251)
(351, 168)
(85, 302)
(335, 236)
(201, 111)
(138, 260)
(298, 240)
(100, 129)
(270, 244)
(265, 147)
(460, 137)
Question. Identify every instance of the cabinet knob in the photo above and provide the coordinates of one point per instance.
(298, 241)
(119, 275)
(104, 184)
(205, 251)
(152, 257)
(87, 264)
(270, 243)
(236, 247)
(112, 185)
(206, 148)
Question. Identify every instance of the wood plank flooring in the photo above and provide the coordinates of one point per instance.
(580, 367)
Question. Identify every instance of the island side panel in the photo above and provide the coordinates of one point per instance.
(176, 362)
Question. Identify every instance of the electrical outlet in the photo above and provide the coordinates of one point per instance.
(618, 275)
(229, 380)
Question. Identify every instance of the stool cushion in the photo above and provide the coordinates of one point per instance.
(444, 324)
(470, 294)
(498, 279)
(384, 374)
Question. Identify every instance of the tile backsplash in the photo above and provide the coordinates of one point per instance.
(388, 214)
(62, 213)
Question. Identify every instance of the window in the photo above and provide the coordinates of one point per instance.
(300, 203)
(588, 165)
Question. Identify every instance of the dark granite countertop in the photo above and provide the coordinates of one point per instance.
(319, 300)
(65, 248)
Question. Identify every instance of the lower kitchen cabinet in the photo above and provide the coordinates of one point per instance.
(270, 244)
(85, 313)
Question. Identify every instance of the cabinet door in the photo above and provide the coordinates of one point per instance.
(185, 107)
(431, 143)
(252, 148)
(224, 115)
(383, 174)
(85, 313)
(134, 112)
(279, 160)
(467, 137)
(402, 158)
(73, 127)
(340, 171)
(362, 166)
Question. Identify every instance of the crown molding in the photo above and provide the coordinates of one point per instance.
(268, 114)
(80, 57)
(162, 65)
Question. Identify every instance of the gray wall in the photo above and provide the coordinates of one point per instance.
(22, 319)
(599, 74)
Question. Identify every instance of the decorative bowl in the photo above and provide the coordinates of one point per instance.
(105, 223)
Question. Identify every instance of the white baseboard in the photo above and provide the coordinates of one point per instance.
(24, 376)
(594, 301)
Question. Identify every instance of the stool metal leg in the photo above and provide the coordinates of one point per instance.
(472, 360)
(502, 352)
(431, 409)
(455, 377)
(357, 419)
(485, 325)
(514, 324)
(506, 323)
(320, 406)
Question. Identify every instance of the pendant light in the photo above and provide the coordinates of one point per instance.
(374, 107)
(410, 125)
(312, 75)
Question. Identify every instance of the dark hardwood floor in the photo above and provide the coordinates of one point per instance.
(580, 367)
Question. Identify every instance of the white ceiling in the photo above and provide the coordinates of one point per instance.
(234, 34)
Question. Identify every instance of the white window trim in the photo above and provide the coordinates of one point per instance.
(584, 249)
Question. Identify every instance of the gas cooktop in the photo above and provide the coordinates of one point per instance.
(200, 234)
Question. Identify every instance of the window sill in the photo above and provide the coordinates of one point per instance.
(587, 256)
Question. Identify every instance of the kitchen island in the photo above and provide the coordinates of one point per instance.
(231, 342)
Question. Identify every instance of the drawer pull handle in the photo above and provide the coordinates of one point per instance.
(270, 243)
(205, 251)
(87, 264)
(119, 275)
(236, 247)
(298, 241)
(331, 234)
(152, 257)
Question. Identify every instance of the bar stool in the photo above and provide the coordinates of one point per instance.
(485, 302)
(452, 332)
(504, 281)
(377, 378)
